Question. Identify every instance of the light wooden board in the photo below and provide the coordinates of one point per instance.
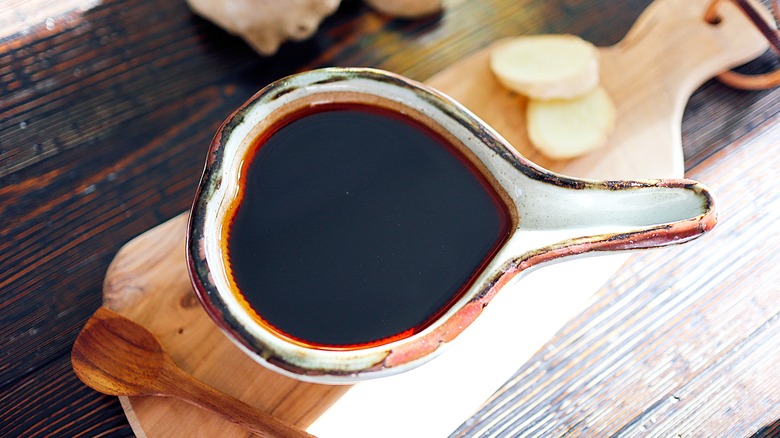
(650, 75)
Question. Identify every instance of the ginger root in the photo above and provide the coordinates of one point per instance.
(266, 24)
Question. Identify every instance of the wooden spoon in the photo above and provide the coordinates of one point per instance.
(117, 356)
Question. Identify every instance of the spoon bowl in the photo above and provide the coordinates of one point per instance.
(117, 356)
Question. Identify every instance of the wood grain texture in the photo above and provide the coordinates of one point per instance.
(676, 344)
(117, 356)
(147, 281)
(104, 123)
(649, 75)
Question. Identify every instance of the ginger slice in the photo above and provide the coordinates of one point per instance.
(566, 128)
(547, 67)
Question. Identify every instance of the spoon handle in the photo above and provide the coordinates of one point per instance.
(185, 387)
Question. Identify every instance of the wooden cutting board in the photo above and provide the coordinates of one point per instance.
(650, 75)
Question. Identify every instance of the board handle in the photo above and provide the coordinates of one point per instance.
(767, 28)
(674, 37)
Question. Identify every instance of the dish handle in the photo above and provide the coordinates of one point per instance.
(561, 217)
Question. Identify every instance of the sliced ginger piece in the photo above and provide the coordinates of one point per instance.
(547, 67)
(567, 128)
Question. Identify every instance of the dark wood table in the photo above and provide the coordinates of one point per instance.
(106, 111)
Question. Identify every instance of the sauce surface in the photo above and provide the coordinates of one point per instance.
(359, 226)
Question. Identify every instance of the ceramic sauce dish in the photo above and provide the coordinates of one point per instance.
(351, 222)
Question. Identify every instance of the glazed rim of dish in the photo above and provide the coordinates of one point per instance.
(523, 186)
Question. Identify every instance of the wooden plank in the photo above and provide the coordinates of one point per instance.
(680, 341)
(152, 291)
(145, 127)
(56, 153)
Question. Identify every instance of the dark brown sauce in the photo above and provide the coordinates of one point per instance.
(359, 226)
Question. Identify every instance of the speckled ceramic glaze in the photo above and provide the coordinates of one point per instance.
(553, 217)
